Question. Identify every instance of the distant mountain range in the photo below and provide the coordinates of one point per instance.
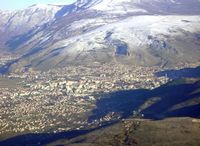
(133, 32)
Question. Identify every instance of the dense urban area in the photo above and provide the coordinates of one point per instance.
(63, 99)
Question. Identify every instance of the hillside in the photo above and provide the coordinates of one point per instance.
(175, 131)
(17, 22)
(180, 98)
(132, 32)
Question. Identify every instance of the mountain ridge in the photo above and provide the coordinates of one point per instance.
(17, 22)
(93, 31)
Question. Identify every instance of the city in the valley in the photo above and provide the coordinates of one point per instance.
(63, 99)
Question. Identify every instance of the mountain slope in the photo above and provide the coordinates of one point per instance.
(133, 41)
(17, 22)
(184, 130)
(134, 32)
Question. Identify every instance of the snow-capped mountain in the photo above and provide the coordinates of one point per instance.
(17, 22)
(110, 6)
(134, 32)
(30, 17)
(151, 6)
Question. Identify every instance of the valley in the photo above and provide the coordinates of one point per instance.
(101, 73)
(79, 98)
(66, 96)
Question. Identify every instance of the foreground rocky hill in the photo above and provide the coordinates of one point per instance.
(174, 131)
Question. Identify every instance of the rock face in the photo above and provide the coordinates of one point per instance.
(133, 32)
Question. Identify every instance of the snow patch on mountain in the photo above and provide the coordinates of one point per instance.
(134, 31)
